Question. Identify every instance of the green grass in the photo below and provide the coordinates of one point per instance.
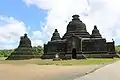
(3, 58)
(62, 62)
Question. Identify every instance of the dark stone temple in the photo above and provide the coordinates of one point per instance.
(24, 50)
(77, 43)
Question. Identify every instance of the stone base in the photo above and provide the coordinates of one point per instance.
(83, 56)
(47, 56)
(22, 54)
(56, 59)
(19, 57)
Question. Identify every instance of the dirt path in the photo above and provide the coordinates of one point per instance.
(42, 72)
(108, 72)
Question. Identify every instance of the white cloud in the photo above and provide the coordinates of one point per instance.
(37, 42)
(104, 13)
(10, 32)
(7, 47)
(37, 38)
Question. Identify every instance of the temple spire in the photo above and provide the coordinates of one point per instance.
(24, 50)
(75, 17)
(56, 35)
(95, 33)
(77, 27)
(25, 35)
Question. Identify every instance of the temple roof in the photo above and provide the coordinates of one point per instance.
(76, 24)
(77, 27)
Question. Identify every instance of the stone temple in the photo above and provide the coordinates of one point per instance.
(77, 43)
(24, 50)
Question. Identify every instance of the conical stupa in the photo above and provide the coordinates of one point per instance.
(56, 35)
(24, 50)
(95, 33)
(76, 27)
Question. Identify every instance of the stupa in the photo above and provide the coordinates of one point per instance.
(77, 43)
(24, 50)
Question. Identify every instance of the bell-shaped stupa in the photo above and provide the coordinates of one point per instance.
(56, 35)
(95, 33)
(76, 27)
(24, 50)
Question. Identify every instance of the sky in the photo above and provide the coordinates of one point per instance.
(39, 18)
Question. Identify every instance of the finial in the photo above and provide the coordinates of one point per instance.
(25, 34)
(75, 17)
(112, 39)
(95, 27)
(56, 30)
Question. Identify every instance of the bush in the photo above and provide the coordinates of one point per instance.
(38, 50)
(1, 55)
(117, 48)
(5, 53)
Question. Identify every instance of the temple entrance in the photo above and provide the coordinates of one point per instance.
(74, 53)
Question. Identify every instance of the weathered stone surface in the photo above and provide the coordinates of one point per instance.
(55, 36)
(24, 50)
(95, 33)
(76, 27)
(77, 43)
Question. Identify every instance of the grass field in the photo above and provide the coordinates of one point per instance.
(61, 62)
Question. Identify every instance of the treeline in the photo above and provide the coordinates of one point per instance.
(117, 48)
(5, 53)
(38, 50)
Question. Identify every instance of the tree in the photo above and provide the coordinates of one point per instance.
(5, 53)
(117, 48)
(38, 50)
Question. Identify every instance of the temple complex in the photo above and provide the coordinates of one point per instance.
(77, 43)
(24, 50)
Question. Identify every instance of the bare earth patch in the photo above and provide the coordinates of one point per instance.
(37, 69)
(43, 72)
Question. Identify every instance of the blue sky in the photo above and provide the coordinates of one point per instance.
(39, 18)
(31, 16)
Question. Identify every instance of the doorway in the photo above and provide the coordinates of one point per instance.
(74, 53)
